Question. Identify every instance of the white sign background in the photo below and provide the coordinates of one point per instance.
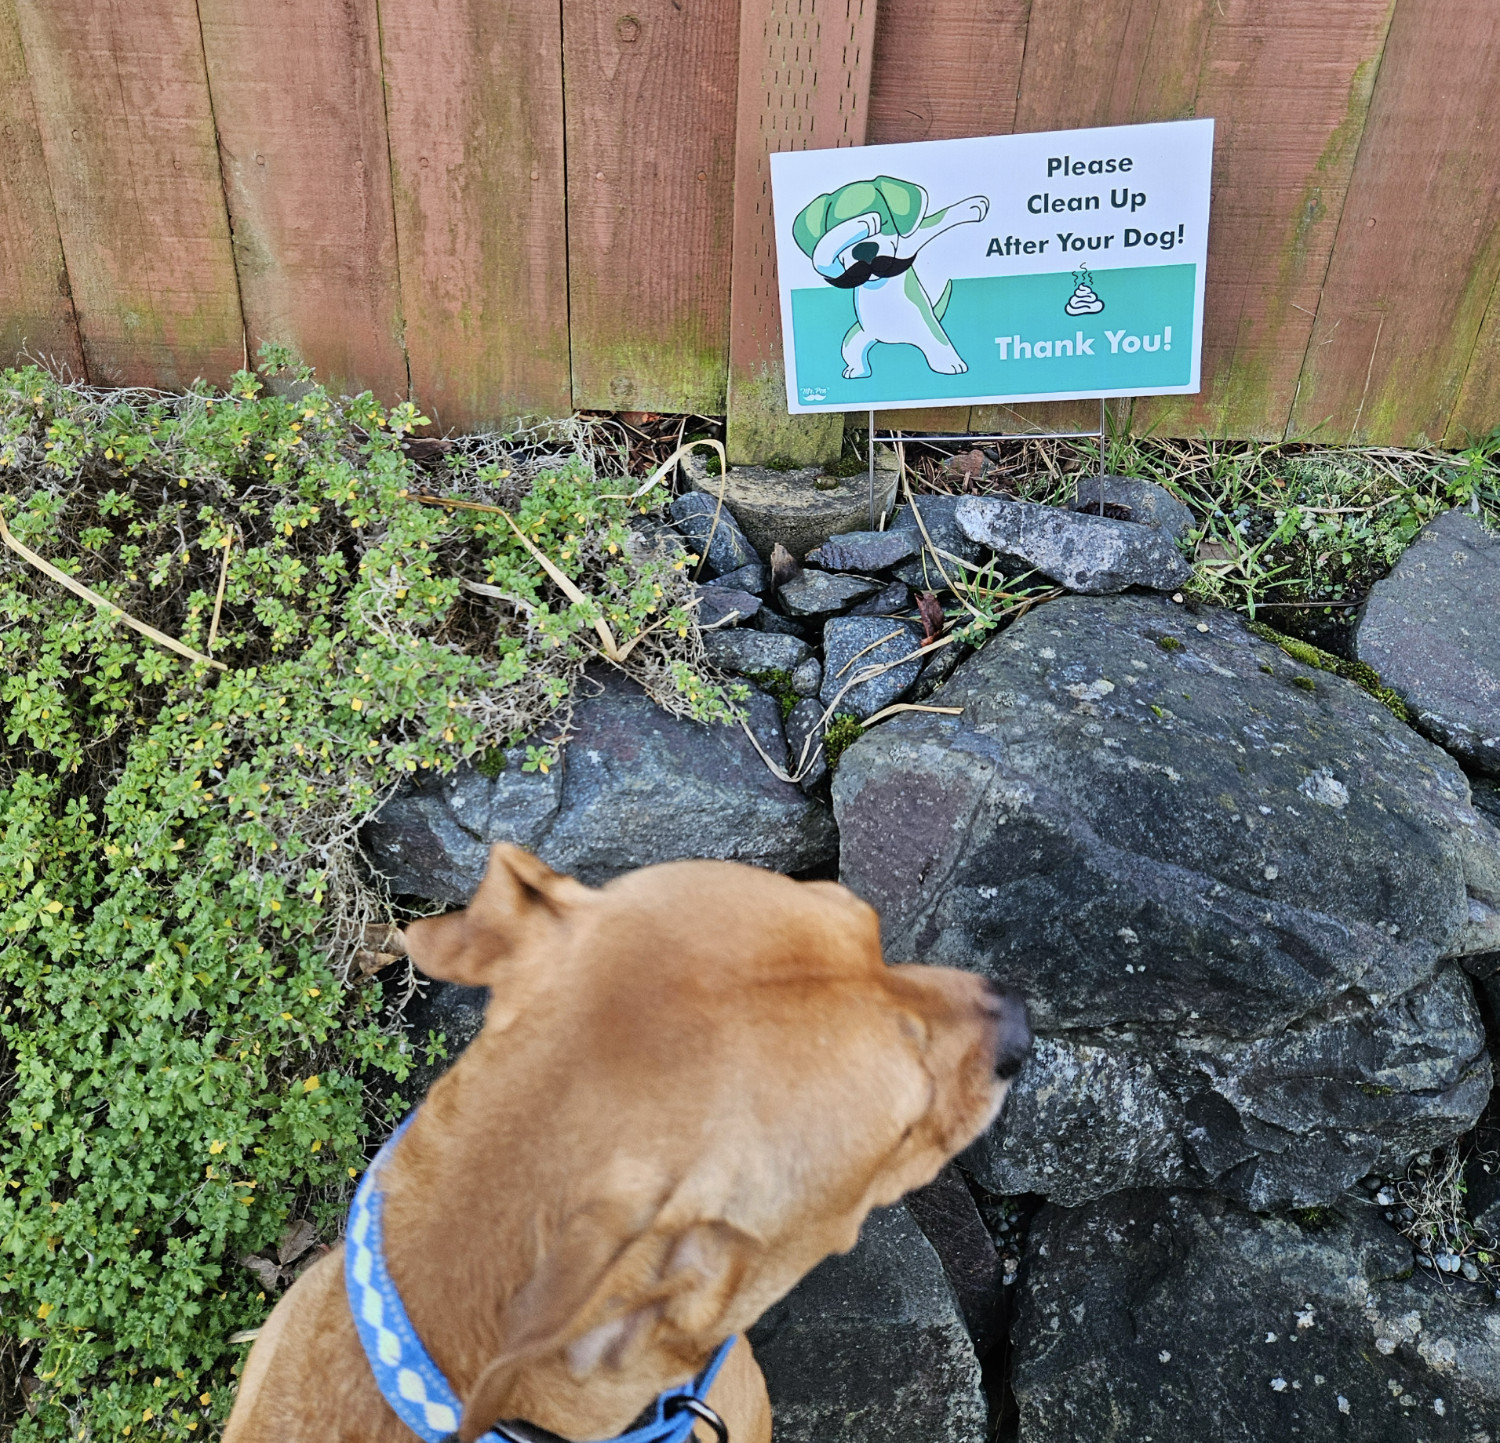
(1023, 214)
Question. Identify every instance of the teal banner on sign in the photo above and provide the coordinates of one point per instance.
(993, 270)
(1017, 339)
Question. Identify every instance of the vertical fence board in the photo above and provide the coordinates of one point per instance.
(1086, 65)
(804, 84)
(1092, 64)
(128, 135)
(649, 110)
(946, 68)
(297, 95)
(1418, 249)
(1290, 87)
(36, 305)
(943, 69)
(474, 99)
(1477, 412)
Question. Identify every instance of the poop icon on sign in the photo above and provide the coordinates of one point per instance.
(1085, 300)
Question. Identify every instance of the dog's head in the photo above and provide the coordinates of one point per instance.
(703, 1076)
(857, 223)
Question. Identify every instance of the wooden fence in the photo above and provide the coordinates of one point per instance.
(514, 207)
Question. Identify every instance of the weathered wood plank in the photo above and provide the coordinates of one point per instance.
(1091, 64)
(127, 130)
(36, 304)
(1289, 85)
(301, 115)
(1418, 249)
(804, 84)
(946, 68)
(1477, 411)
(474, 106)
(649, 106)
(943, 69)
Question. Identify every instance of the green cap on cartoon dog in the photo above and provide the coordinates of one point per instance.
(898, 203)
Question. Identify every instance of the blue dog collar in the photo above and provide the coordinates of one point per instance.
(414, 1385)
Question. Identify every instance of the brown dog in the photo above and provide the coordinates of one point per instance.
(691, 1086)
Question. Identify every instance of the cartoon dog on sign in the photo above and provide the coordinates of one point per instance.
(864, 238)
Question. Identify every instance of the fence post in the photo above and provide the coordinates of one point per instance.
(784, 45)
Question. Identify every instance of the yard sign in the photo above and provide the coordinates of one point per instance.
(998, 269)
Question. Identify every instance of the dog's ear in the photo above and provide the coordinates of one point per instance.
(906, 202)
(601, 1301)
(519, 899)
(810, 224)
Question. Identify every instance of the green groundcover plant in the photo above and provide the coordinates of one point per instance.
(189, 1061)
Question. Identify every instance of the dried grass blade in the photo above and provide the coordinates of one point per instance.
(93, 597)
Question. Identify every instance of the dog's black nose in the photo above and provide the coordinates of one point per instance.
(866, 251)
(1012, 1033)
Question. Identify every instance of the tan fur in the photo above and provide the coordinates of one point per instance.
(692, 1085)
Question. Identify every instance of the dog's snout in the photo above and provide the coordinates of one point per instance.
(1012, 1030)
(866, 251)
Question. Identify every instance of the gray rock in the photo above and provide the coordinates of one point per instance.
(817, 593)
(801, 508)
(865, 550)
(444, 1008)
(940, 519)
(707, 525)
(1293, 1119)
(1148, 503)
(946, 1213)
(808, 677)
(752, 578)
(1081, 1121)
(635, 786)
(870, 1347)
(1091, 554)
(890, 600)
(938, 667)
(774, 622)
(1429, 630)
(1228, 883)
(723, 606)
(853, 643)
(1182, 1317)
(803, 720)
(748, 652)
(1487, 798)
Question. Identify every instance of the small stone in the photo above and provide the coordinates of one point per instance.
(1278, 1385)
(767, 619)
(938, 517)
(1385, 1197)
(747, 652)
(1149, 504)
(1271, 874)
(808, 677)
(803, 721)
(865, 550)
(818, 593)
(705, 523)
(722, 606)
(1089, 554)
(890, 600)
(853, 643)
(1470, 1271)
(1164, 1356)
(752, 578)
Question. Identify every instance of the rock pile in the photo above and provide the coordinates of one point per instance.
(1257, 918)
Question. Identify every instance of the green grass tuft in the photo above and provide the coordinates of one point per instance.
(842, 733)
